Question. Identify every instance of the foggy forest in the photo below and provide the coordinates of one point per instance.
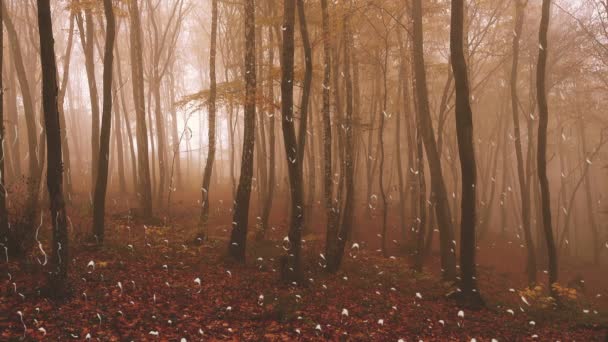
(285, 170)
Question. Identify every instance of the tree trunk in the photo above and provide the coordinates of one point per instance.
(67, 174)
(86, 37)
(543, 112)
(174, 134)
(421, 205)
(331, 231)
(349, 149)
(381, 148)
(137, 75)
(161, 146)
(439, 195)
(3, 192)
(402, 104)
(304, 101)
(466, 150)
(597, 245)
(59, 261)
(122, 180)
(290, 263)
(26, 237)
(123, 103)
(212, 95)
(523, 186)
(238, 237)
(272, 137)
(101, 185)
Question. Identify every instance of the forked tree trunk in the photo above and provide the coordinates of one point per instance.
(101, 185)
(86, 37)
(238, 237)
(439, 195)
(543, 120)
(60, 258)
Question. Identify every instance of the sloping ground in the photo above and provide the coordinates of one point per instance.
(153, 283)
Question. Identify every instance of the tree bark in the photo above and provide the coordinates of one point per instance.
(137, 75)
(3, 192)
(25, 239)
(381, 148)
(86, 37)
(523, 186)
(331, 238)
(60, 258)
(272, 139)
(306, 87)
(67, 174)
(238, 237)
(442, 208)
(212, 96)
(125, 115)
(101, 185)
(290, 267)
(349, 149)
(543, 112)
(466, 150)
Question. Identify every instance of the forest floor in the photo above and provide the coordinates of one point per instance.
(156, 282)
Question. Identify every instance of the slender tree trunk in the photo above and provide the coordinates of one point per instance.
(290, 267)
(381, 149)
(125, 111)
(468, 167)
(349, 158)
(13, 117)
(67, 174)
(238, 238)
(421, 205)
(60, 258)
(137, 75)
(161, 146)
(402, 103)
(439, 195)
(86, 37)
(592, 222)
(101, 185)
(211, 108)
(175, 139)
(122, 180)
(523, 182)
(307, 81)
(3, 192)
(23, 242)
(272, 140)
(541, 157)
(331, 242)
